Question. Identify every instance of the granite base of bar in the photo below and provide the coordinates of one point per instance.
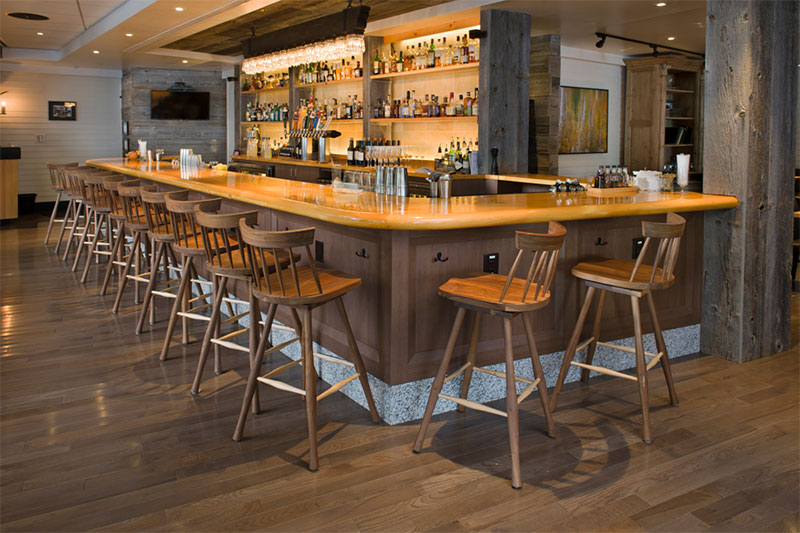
(406, 402)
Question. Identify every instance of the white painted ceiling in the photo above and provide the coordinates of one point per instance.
(155, 23)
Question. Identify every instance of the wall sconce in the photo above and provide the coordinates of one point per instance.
(2, 108)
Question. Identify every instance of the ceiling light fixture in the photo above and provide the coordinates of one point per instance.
(670, 38)
(654, 46)
(39, 33)
(327, 50)
(178, 9)
(95, 51)
(185, 61)
(323, 39)
(661, 4)
(128, 35)
(601, 42)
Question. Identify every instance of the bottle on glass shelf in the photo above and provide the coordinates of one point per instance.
(475, 104)
(468, 105)
(451, 106)
(464, 50)
(437, 61)
(376, 63)
(460, 106)
(350, 152)
(431, 62)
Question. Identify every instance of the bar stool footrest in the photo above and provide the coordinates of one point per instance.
(474, 405)
(603, 370)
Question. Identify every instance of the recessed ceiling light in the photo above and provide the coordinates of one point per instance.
(95, 51)
(39, 33)
(128, 35)
(185, 61)
(178, 9)
(661, 4)
(670, 38)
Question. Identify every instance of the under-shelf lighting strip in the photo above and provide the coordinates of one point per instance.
(327, 50)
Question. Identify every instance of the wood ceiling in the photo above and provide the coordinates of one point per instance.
(226, 38)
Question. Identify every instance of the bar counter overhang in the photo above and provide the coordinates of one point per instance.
(404, 248)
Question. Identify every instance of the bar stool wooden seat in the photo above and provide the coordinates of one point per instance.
(159, 224)
(636, 280)
(75, 218)
(58, 185)
(188, 243)
(301, 288)
(119, 251)
(83, 231)
(98, 210)
(140, 252)
(504, 297)
(225, 260)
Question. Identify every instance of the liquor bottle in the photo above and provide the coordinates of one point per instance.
(350, 153)
(438, 54)
(376, 63)
(387, 108)
(447, 57)
(431, 56)
(475, 104)
(443, 108)
(598, 178)
(358, 72)
(464, 50)
(457, 51)
(468, 105)
(460, 106)
(472, 54)
(400, 62)
(451, 109)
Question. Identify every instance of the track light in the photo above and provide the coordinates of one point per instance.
(602, 41)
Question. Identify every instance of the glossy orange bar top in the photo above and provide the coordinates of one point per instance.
(370, 210)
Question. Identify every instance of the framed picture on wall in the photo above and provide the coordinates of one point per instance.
(583, 122)
(62, 110)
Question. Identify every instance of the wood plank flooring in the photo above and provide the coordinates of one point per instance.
(98, 434)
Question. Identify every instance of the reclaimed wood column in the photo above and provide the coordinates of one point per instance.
(504, 84)
(545, 91)
(750, 110)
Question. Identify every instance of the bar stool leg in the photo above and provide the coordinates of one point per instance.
(641, 370)
(179, 298)
(310, 388)
(52, 217)
(471, 356)
(79, 206)
(298, 330)
(536, 364)
(103, 223)
(662, 347)
(438, 381)
(358, 361)
(115, 256)
(222, 283)
(123, 279)
(91, 220)
(151, 284)
(255, 314)
(67, 219)
(255, 370)
(595, 333)
(569, 353)
(186, 295)
(511, 406)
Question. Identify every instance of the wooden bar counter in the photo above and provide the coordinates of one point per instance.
(404, 248)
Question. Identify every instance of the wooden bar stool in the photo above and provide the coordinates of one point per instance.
(159, 223)
(225, 261)
(504, 297)
(76, 216)
(636, 280)
(119, 251)
(98, 211)
(57, 182)
(301, 288)
(188, 243)
(140, 252)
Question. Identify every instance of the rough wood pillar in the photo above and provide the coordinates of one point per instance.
(545, 91)
(750, 102)
(504, 87)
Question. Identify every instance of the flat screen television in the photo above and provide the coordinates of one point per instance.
(176, 105)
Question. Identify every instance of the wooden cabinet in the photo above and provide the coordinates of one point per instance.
(663, 112)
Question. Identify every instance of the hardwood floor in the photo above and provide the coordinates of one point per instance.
(98, 434)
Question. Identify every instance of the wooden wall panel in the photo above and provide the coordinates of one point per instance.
(545, 91)
(750, 108)
(504, 90)
(206, 137)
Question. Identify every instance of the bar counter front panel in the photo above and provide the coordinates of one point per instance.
(404, 248)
